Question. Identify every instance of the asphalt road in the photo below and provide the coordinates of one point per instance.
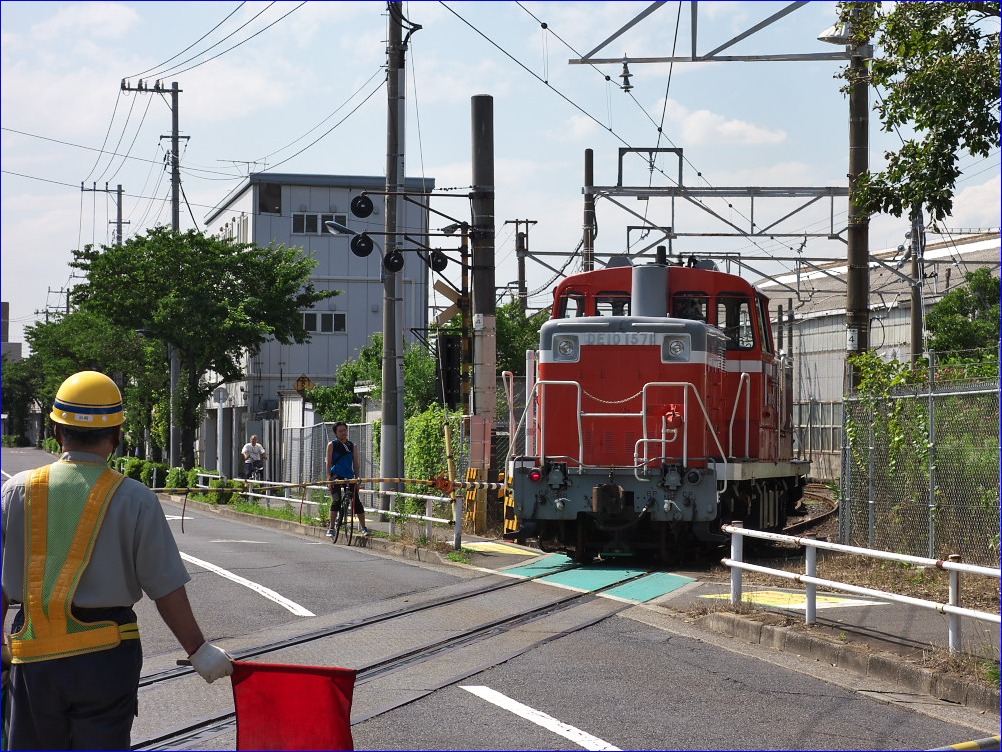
(637, 680)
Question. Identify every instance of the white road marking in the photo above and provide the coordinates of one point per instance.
(177, 517)
(266, 592)
(237, 540)
(579, 737)
(6, 475)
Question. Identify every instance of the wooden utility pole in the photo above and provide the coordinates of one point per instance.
(118, 221)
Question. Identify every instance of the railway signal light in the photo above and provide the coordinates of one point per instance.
(361, 245)
(361, 206)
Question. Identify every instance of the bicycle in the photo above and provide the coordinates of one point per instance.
(344, 515)
(254, 470)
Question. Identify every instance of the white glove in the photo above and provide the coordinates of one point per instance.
(211, 662)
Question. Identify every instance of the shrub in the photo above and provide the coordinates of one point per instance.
(51, 445)
(223, 489)
(177, 478)
(133, 468)
(154, 474)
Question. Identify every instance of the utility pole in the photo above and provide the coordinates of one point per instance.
(918, 246)
(484, 308)
(521, 251)
(391, 452)
(857, 306)
(589, 212)
(175, 458)
(118, 222)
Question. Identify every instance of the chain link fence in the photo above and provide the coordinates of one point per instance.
(920, 472)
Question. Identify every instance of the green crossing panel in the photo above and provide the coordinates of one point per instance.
(650, 587)
(547, 564)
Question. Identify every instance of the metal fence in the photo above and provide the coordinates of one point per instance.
(920, 472)
(304, 452)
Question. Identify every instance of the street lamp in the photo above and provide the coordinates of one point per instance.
(392, 407)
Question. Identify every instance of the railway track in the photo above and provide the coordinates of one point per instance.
(488, 636)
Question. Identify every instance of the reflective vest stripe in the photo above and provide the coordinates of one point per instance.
(50, 630)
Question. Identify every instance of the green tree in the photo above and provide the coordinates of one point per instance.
(334, 402)
(936, 66)
(212, 300)
(516, 333)
(86, 340)
(966, 318)
(22, 392)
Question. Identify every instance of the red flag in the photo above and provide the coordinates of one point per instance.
(292, 707)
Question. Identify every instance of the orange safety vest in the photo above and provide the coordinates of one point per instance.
(58, 548)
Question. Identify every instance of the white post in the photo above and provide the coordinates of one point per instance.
(427, 513)
(458, 512)
(811, 570)
(737, 541)
(954, 601)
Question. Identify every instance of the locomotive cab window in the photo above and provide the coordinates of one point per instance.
(690, 305)
(571, 305)
(764, 335)
(734, 317)
(612, 304)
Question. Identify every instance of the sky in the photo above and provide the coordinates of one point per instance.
(298, 88)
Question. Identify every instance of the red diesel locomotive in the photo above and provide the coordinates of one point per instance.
(657, 410)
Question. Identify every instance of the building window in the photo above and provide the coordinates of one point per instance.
(308, 223)
(324, 323)
(269, 198)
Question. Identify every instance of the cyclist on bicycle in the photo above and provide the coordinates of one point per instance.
(254, 457)
(342, 464)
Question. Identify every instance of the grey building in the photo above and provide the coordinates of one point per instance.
(817, 333)
(292, 209)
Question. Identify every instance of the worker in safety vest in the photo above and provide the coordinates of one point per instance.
(81, 544)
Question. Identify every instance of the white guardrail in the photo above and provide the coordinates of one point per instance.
(810, 579)
(429, 502)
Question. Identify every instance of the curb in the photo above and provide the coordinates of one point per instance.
(857, 659)
(414, 553)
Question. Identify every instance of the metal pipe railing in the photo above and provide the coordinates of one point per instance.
(809, 578)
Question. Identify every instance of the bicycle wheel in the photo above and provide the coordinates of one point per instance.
(338, 521)
(348, 510)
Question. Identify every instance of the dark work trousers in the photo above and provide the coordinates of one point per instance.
(86, 701)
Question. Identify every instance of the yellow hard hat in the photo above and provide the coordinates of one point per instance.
(88, 399)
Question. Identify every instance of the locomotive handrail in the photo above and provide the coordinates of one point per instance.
(746, 381)
(542, 423)
(686, 386)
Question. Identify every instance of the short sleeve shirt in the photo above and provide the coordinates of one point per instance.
(253, 451)
(134, 553)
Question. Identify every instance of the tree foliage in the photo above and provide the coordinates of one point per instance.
(936, 67)
(334, 402)
(212, 300)
(967, 318)
(22, 392)
(516, 333)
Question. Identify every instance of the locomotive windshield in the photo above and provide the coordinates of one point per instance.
(734, 317)
(690, 305)
(571, 305)
(612, 303)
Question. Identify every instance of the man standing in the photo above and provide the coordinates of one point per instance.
(81, 544)
(254, 456)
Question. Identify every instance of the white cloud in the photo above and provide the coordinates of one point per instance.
(699, 127)
(977, 205)
(78, 20)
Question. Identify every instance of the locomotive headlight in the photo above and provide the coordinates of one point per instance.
(675, 348)
(566, 348)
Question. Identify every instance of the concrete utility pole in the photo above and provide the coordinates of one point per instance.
(588, 261)
(918, 246)
(482, 234)
(118, 221)
(521, 251)
(391, 454)
(857, 305)
(174, 450)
